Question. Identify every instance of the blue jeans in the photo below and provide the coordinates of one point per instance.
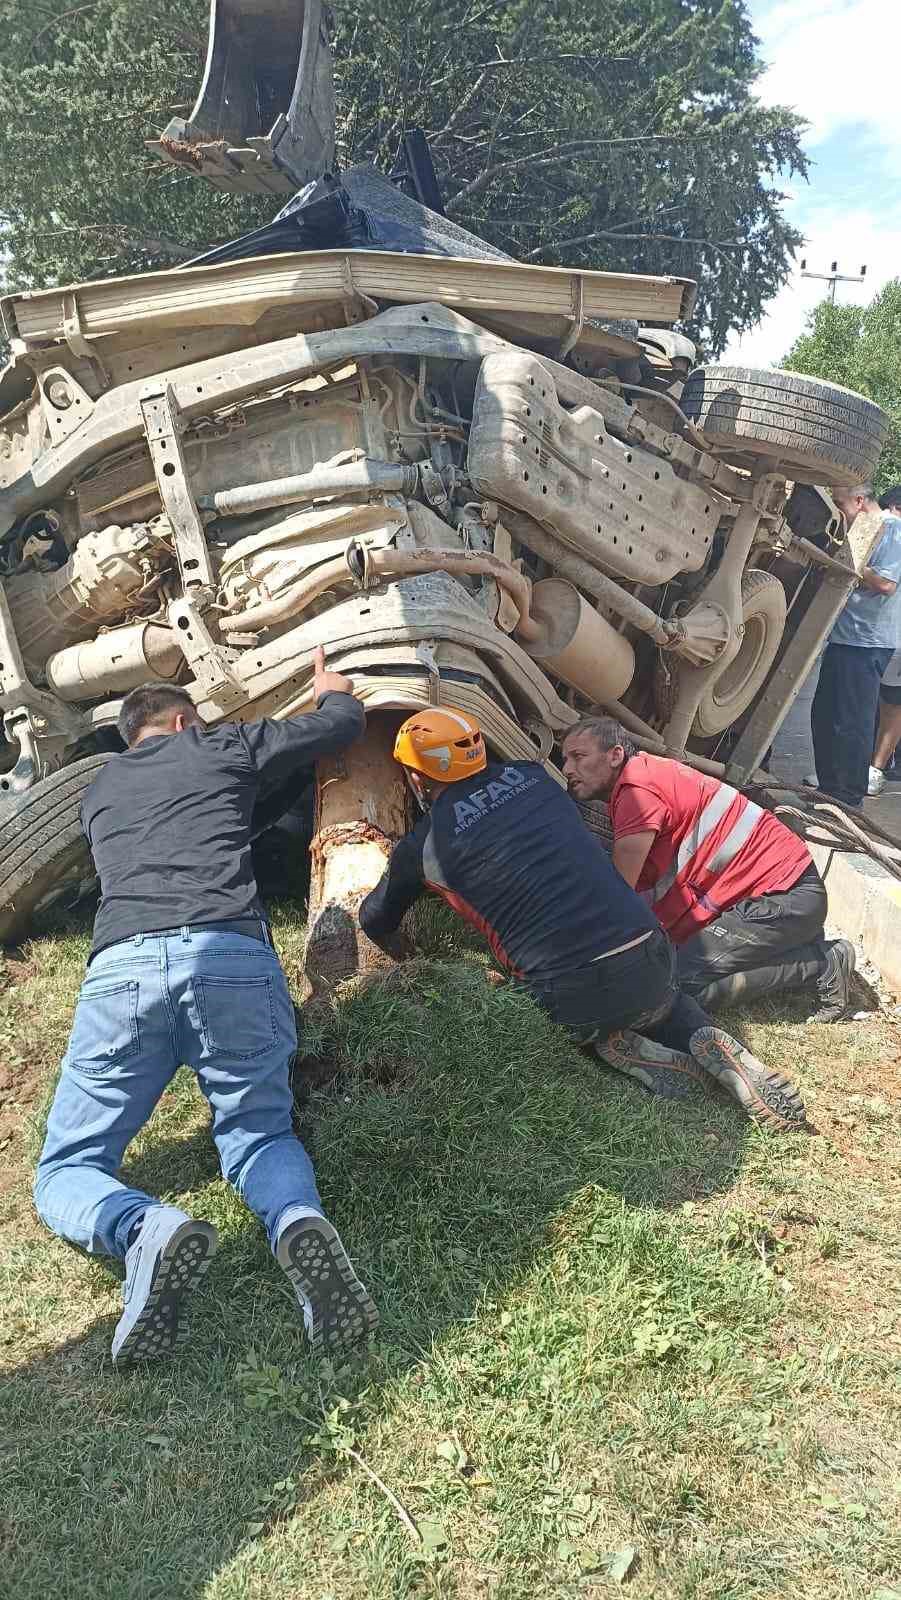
(217, 1002)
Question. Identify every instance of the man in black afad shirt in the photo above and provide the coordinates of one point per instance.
(506, 847)
(182, 970)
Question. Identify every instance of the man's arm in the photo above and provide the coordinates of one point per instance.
(883, 571)
(400, 886)
(638, 815)
(630, 855)
(278, 749)
(874, 580)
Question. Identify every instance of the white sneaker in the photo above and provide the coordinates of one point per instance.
(877, 781)
(337, 1310)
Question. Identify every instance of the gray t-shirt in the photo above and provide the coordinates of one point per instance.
(870, 620)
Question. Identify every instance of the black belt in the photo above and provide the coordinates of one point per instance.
(248, 928)
(251, 928)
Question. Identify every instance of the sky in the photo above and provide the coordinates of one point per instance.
(837, 63)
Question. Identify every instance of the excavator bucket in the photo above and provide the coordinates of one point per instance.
(264, 121)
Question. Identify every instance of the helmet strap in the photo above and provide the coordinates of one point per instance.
(415, 781)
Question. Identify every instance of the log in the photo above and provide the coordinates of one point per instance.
(362, 808)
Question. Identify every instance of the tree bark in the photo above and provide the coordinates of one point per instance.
(361, 809)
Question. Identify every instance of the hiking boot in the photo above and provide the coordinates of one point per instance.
(671, 1074)
(768, 1097)
(166, 1262)
(876, 781)
(834, 985)
(337, 1310)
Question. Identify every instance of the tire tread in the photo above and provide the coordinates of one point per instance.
(825, 434)
(40, 840)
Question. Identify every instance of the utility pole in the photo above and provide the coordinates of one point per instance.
(832, 277)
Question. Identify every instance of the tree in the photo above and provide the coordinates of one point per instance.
(617, 134)
(860, 347)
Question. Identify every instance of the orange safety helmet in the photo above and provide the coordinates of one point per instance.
(442, 744)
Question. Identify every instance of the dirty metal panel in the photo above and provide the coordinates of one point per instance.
(624, 509)
(267, 439)
(16, 443)
(240, 292)
(433, 607)
(309, 432)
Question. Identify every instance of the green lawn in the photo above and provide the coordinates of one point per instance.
(623, 1342)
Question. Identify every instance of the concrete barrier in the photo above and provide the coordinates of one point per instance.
(865, 905)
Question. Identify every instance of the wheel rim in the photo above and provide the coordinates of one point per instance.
(733, 681)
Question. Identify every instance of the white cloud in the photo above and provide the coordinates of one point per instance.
(835, 61)
(850, 237)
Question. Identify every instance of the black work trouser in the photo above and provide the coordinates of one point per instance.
(636, 989)
(843, 716)
(769, 944)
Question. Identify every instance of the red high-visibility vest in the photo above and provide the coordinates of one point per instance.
(708, 826)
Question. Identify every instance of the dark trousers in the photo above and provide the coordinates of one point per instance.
(769, 944)
(637, 989)
(843, 716)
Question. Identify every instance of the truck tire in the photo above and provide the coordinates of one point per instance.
(818, 432)
(42, 847)
(764, 609)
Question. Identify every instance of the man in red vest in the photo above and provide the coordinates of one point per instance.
(735, 889)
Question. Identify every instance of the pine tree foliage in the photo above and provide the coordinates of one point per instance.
(614, 134)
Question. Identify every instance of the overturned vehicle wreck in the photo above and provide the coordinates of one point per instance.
(502, 487)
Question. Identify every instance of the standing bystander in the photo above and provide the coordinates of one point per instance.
(883, 769)
(860, 647)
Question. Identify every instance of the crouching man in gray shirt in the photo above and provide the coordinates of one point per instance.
(182, 970)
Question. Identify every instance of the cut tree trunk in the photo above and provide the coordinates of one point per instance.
(361, 809)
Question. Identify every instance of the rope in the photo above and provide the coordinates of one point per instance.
(826, 822)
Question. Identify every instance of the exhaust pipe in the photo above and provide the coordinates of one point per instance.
(373, 566)
(114, 662)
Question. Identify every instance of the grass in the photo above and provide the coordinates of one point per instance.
(623, 1343)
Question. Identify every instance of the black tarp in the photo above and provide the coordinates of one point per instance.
(360, 210)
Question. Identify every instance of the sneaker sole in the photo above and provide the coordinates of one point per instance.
(161, 1328)
(768, 1097)
(339, 1312)
(671, 1082)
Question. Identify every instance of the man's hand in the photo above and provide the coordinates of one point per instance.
(328, 682)
(875, 581)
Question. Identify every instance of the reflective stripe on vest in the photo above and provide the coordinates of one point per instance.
(736, 838)
(708, 819)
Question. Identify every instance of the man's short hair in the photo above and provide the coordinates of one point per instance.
(607, 731)
(865, 489)
(891, 500)
(149, 704)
